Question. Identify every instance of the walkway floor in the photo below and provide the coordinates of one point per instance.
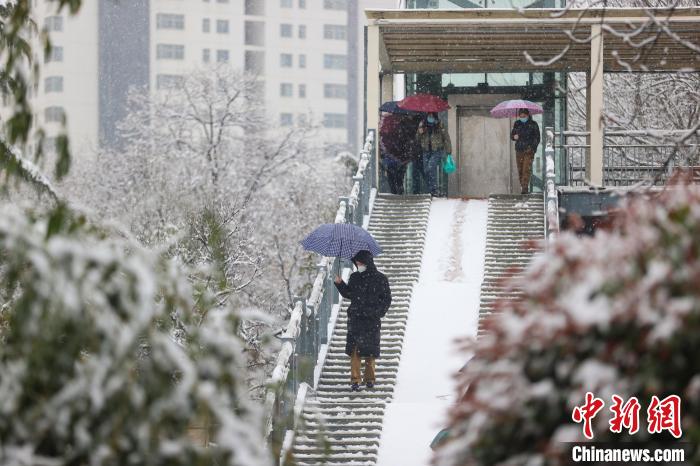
(444, 307)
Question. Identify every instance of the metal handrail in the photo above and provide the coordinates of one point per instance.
(307, 330)
(628, 157)
(551, 196)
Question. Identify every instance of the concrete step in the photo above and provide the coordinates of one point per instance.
(515, 224)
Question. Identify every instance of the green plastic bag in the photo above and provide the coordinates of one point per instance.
(440, 438)
(449, 164)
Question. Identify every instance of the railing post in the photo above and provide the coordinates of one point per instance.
(336, 271)
(372, 142)
(323, 312)
(358, 209)
(564, 158)
(348, 208)
(551, 200)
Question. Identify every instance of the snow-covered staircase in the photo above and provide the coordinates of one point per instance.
(340, 427)
(512, 221)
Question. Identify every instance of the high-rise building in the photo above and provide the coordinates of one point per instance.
(307, 53)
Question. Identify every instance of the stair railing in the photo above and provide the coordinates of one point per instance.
(551, 197)
(306, 334)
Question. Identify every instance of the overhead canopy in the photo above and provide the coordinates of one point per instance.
(500, 40)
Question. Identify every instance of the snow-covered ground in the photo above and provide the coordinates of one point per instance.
(445, 306)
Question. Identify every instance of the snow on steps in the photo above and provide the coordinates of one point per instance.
(513, 221)
(340, 427)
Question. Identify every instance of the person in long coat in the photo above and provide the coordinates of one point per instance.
(370, 297)
(526, 134)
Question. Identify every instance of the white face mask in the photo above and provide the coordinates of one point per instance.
(361, 268)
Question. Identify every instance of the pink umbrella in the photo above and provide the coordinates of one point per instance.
(424, 103)
(510, 108)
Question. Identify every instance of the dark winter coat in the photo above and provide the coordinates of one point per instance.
(528, 135)
(434, 138)
(396, 137)
(370, 298)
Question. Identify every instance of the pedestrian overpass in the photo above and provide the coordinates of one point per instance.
(312, 417)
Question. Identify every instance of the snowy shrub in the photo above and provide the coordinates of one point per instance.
(109, 357)
(618, 313)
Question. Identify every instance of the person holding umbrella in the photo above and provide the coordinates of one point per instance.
(526, 134)
(370, 297)
(435, 143)
(432, 136)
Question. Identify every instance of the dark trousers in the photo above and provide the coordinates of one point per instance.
(395, 175)
(432, 162)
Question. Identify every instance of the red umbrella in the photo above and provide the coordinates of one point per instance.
(424, 103)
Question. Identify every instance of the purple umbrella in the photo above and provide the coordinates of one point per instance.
(510, 108)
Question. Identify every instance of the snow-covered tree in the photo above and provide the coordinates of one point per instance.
(109, 356)
(110, 353)
(205, 175)
(618, 313)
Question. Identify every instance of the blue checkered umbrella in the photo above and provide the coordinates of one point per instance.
(340, 239)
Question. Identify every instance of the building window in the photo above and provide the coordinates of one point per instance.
(170, 52)
(335, 31)
(302, 4)
(206, 55)
(286, 119)
(168, 81)
(335, 4)
(206, 25)
(302, 31)
(53, 84)
(222, 26)
(255, 33)
(335, 91)
(285, 90)
(285, 30)
(255, 61)
(335, 62)
(334, 120)
(222, 56)
(170, 21)
(302, 91)
(53, 23)
(302, 61)
(286, 60)
(285, 3)
(55, 55)
(221, 1)
(302, 119)
(54, 114)
(255, 7)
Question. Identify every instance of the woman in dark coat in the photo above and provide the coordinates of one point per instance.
(526, 134)
(370, 297)
(398, 147)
